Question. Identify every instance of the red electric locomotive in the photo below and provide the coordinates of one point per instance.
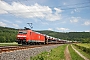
(27, 36)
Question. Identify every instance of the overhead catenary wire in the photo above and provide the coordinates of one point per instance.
(88, 2)
(44, 11)
(76, 7)
(69, 5)
(30, 11)
(74, 4)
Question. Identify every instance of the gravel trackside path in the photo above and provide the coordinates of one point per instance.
(25, 54)
(79, 53)
(67, 54)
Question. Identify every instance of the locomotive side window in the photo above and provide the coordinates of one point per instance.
(30, 33)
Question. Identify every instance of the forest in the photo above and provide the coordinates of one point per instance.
(9, 35)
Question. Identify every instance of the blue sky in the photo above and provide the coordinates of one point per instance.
(55, 15)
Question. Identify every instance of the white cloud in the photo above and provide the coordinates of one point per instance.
(3, 24)
(75, 10)
(86, 23)
(52, 17)
(72, 12)
(64, 3)
(62, 29)
(6, 21)
(87, 31)
(58, 10)
(2, 11)
(63, 22)
(4, 7)
(74, 19)
(15, 25)
(50, 29)
(44, 23)
(33, 11)
(19, 21)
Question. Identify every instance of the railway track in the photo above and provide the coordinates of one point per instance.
(13, 48)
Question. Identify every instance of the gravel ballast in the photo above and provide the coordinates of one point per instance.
(25, 54)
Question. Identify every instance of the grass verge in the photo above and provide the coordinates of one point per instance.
(87, 45)
(54, 54)
(82, 52)
(9, 44)
(74, 55)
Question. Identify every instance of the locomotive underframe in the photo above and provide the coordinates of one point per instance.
(30, 42)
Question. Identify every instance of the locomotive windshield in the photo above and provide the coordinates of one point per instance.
(22, 32)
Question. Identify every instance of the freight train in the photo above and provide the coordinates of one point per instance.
(28, 37)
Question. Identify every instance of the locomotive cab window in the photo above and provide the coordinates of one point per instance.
(22, 32)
